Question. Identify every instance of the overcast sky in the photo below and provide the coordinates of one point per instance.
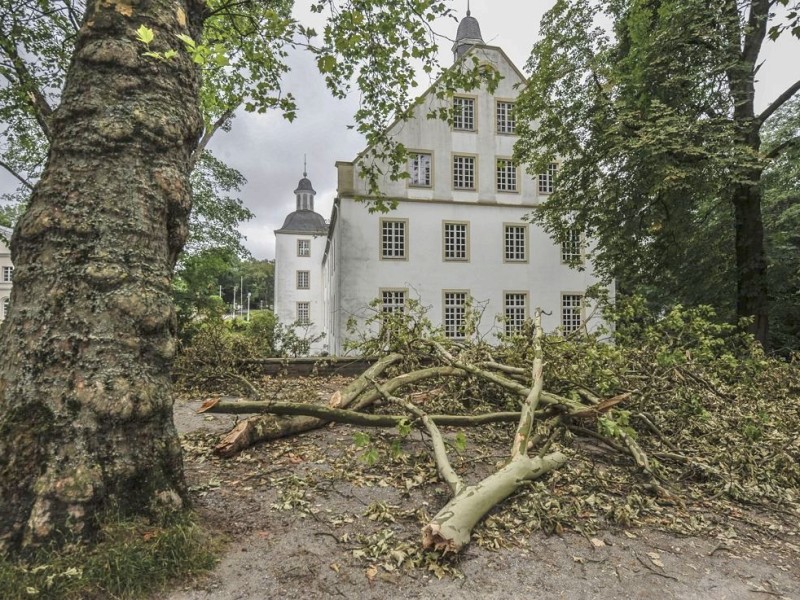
(269, 150)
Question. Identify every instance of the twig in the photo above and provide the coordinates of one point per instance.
(652, 570)
(446, 471)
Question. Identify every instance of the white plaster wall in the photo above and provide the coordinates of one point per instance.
(437, 137)
(426, 275)
(331, 270)
(287, 263)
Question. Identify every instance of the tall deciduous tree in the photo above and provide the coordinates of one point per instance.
(37, 38)
(86, 419)
(85, 407)
(655, 125)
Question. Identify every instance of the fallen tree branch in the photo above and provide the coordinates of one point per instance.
(262, 428)
(451, 528)
(350, 417)
(523, 434)
(443, 466)
(356, 396)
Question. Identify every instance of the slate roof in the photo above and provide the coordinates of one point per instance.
(304, 221)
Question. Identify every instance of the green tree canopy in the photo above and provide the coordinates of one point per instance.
(653, 122)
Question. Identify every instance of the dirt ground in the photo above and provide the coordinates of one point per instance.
(305, 519)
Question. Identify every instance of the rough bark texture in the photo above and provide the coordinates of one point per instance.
(85, 405)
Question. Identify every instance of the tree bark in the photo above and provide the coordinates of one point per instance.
(751, 264)
(85, 404)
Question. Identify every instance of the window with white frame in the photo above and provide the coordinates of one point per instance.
(303, 247)
(505, 117)
(393, 301)
(572, 247)
(419, 168)
(303, 280)
(464, 113)
(516, 243)
(506, 175)
(4, 308)
(304, 313)
(464, 172)
(571, 312)
(455, 307)
(394, 238)
(515, 310)
(547, 180)
(456, 241)
(8, 274)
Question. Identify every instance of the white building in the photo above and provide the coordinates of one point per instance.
(299, 247)
(458, 236)
(6, 270)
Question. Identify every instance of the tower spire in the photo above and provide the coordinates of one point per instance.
(305, 170)
(468, 13)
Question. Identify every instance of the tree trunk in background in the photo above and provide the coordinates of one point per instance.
(751, 261)
(85, 405)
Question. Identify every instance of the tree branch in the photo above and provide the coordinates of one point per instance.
(779, 101)
(520, 445)
(782, 147)
(22, 180)
(443, 466)
(238, 406)
(41, 108)
(207, 135)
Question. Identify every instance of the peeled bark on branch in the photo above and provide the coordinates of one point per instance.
(450, 529)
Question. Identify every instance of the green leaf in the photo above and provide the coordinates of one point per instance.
(370, 457)
(404, 427)
(326, 64)
(144, 34)
(190, 43)
(360, 439)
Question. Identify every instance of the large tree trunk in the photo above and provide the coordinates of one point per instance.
(85, 404)
(751, 261)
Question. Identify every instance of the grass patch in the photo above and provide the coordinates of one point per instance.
(131, 559)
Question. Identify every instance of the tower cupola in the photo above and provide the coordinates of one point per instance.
(305, 193)
(468, 35)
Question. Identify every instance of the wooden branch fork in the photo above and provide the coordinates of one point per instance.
(450, 529)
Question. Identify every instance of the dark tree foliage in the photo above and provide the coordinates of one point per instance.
(653, 122)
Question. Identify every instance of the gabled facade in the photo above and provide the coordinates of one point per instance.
(459, 235)
(6, 270)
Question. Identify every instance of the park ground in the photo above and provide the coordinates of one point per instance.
(315, 517)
